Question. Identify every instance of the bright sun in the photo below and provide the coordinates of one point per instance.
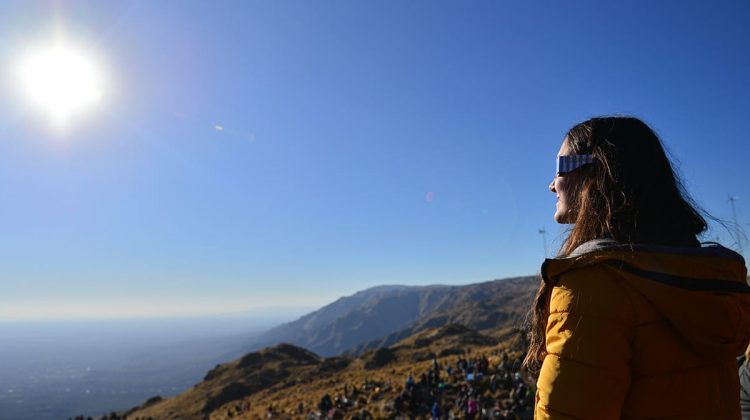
(61, 81)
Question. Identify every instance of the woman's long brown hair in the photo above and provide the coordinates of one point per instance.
(630, 194)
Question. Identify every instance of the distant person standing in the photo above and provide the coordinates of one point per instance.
(435, 411)
(472, 408)
(635, 318)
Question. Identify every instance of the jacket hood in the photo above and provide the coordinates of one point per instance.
(702, 291)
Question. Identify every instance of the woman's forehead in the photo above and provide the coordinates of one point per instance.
(564, 148)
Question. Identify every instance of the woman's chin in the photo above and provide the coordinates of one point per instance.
(558, 215)
(563, 217)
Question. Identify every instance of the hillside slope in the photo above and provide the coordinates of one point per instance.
(291, 382)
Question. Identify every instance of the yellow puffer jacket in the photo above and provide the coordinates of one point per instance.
(644, 332)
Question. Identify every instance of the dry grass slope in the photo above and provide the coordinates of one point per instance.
(292, 380)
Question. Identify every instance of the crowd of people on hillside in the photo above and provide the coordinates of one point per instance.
(479, 387)
(475, 387)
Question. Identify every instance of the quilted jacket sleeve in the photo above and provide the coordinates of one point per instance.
(586, 372)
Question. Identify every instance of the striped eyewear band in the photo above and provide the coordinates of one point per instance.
(569, 163)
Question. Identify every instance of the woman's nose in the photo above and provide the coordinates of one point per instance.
(552, 185)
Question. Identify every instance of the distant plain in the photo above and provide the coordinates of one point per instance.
(55, 370)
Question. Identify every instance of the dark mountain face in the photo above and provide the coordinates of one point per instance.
(355, 319)
(253, 372)
(383, 315)
(497, 306)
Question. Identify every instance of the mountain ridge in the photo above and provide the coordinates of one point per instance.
(384, 311)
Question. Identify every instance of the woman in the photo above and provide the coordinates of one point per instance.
(634, 318)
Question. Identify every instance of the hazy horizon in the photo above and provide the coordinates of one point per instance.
(11, 315)
(60, 369)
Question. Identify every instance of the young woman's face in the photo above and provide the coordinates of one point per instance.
(563, 186)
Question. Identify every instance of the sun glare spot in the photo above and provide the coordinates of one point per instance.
(61, 81)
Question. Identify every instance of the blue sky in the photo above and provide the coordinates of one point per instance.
(359, 143)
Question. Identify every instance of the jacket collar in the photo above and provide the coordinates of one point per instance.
(706, 249)
(607, 250)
